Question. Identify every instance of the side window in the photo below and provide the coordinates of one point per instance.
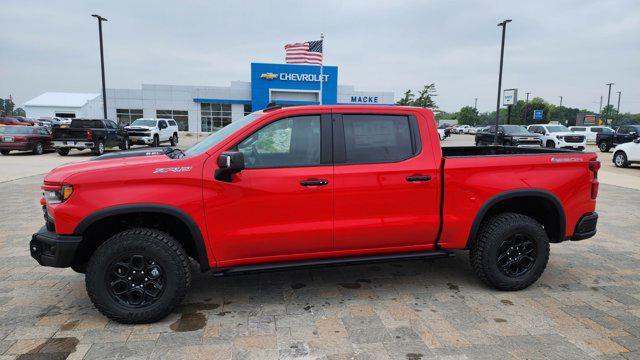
(623, 130)
(43, 131)
(172, 123)
(596, 130)
(286, 142)
(578, 129)
(377, 138)
(112, 125)
(162, 124)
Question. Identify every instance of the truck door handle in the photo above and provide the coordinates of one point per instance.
(418, 178)
(314, 182)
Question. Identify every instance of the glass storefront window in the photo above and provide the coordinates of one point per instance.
(214, 116)
(127, 116)
(247, 109)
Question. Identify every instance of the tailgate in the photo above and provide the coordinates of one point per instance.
(70, 134)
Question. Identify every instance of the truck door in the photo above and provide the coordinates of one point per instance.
(164, 130)
(386, 183)
(281, 205)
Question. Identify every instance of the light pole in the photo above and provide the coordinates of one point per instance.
(608, 102)
(526, 109)
(104, 90)
(618, 111)
(475, 104)
(560, 100)
(504, 29)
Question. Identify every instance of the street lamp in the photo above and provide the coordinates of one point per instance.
(619, 95)
(526, 109)
(560, 100)
(608, 101)
(475, 104)
(504, 29)
(104, 90)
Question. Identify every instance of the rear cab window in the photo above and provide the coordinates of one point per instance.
(172, 123)
(373, 138)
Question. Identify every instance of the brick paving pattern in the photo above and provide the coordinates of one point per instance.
(586, 305)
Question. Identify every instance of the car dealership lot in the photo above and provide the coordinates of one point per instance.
(587, 303)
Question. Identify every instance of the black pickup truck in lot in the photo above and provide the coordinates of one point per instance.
(94, 134)
(624, 134)
(508, 135)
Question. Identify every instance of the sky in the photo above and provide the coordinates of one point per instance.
(553, 48)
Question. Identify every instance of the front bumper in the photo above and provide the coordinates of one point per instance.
(571, 145)
(51, 249)
(586, 227)
(140, 140)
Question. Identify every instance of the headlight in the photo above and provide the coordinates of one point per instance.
(57, 194)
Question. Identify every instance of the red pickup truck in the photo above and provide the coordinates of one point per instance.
(308, 186)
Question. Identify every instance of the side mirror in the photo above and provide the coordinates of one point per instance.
(633, 133)
(637, 141)
(229, 163)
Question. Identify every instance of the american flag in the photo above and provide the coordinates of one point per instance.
(308, 52)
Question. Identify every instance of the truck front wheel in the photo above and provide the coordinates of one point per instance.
(511, 252)
(138, 276)
(604, 146)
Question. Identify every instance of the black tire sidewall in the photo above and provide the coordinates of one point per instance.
(538, 237)
(124, 245)
(97, 150)
(63, 152)
(38, 148)
(603, 147)
(156, 141)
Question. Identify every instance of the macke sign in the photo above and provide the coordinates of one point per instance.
(509, 97)
(365, 99)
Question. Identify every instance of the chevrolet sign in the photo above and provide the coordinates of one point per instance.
(269, 76)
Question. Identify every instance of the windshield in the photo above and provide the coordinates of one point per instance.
(515, 129)
(16, 130)
(557, 128)
(141, 122)
(213, 139)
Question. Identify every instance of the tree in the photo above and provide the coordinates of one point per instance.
(7, 106)
(425, 97)
(19, 112)
(407, 99)
(468, 116)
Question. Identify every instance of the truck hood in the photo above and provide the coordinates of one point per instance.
(112, 162)
(139, 128)
(523, 134)
(567, 133)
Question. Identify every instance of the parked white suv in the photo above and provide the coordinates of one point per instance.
(627, 153)
(590, 132)
(152, 132)
(559, 136)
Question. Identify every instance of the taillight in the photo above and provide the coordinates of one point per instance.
(89, 137)
(594, 166)
(19, 138)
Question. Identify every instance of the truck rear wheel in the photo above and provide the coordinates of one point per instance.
(138, 276)
(511, 252)
(99, 148)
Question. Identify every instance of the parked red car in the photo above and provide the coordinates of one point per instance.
(308, 186)
(36, 139)
(7, 120)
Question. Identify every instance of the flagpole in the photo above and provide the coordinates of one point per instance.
(321, 62)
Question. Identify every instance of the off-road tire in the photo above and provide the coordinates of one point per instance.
(620, 159)
(550, 144)
(165, 251)
(63, 151)
(99, 148)
(156, 141)
(174, 140)
(484, 253)
(604, 146)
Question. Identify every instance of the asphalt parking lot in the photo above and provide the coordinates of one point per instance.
(586, 305)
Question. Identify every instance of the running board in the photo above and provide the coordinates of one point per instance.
(332, 262)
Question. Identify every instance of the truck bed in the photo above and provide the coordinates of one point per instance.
(494, 150)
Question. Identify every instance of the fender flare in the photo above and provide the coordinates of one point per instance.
(511, 194)
(193, 227)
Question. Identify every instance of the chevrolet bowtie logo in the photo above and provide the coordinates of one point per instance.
(269, 76)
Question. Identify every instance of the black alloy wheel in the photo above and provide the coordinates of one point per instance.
(516, 255)
(135, 281)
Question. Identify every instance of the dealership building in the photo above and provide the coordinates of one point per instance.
(206, 108)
